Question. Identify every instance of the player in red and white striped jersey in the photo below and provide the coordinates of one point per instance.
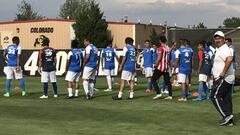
(162, 69)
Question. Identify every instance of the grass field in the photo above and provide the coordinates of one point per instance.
(103, 116)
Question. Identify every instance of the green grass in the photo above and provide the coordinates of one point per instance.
(103, 116)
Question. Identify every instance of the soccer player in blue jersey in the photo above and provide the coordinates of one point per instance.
(183, 61)
(74, 66)
(148, 64)
(47, 68)
(90, 65)
(108, 57)
(128, 68)
(205, 68)
(12, 57)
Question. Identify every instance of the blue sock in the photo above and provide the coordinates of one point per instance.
(45, 89)
(205, 89)
(184, 94)
(149, 85)
(22, 85)
(200, 90)
(164, 86)
(8, 85)
(55, 89)
(187, 91)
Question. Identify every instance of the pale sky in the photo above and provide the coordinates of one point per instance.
(181, 12)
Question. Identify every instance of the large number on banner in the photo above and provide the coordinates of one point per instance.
(31, 64)
(61, 62)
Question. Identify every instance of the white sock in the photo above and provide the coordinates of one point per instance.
(76, 93)
(120, 94)
(86, 86)
(91, 88)
(210, 84)
(131, 94)
(109, 81)
(70, 92)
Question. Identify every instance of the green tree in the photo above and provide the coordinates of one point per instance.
(233, 22)
(69, 9)
(154, 37)
(201, 26)
(26, 12)
(90, 24)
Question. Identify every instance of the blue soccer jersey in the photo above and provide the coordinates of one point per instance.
(155, 56)
(75, 57)
(147, 57)
(185, 56)
(130, 54)
(93, 59)
(108, 55)
(12, 52)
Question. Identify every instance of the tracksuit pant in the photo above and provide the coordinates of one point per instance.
(221, 96)
(156, 75)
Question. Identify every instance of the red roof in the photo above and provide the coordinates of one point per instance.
(60, 20)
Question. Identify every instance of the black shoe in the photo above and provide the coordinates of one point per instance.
(230, 123)
(69, 97)
(116, 98)
(226, 120)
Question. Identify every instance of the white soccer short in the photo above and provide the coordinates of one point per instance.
(73, 76)
(203, 78)
(128, 76)
(109, 72)
(11, 72)
(46, 76)
(148, 72)
(182, 78)
(89, 73)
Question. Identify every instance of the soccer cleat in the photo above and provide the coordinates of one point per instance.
(226, 120)
(55, 96)
(148, 91)
(116, 98)
(107, 90)
(198, 99)
(7, 94)
(182, 100)
(230, 123)
(43, 97)
(24, 93)
(169, 98)
(158, 96)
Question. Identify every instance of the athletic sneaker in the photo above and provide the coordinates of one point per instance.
(55, 96)
(43, 97)
(158, 96)
(165, 91)
(226, 120)
(24, 93)
(169, 98)
(7, 94)
(182, 100)
(107, 90)
(230, 123)
(116, 98)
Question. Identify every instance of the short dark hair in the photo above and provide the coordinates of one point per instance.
(45, 41)
(15, 39)
(129, 41)
(147, 41)
(203, 43)
(163, 39)
(229, 40)
(87, 39)
(74, 44)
